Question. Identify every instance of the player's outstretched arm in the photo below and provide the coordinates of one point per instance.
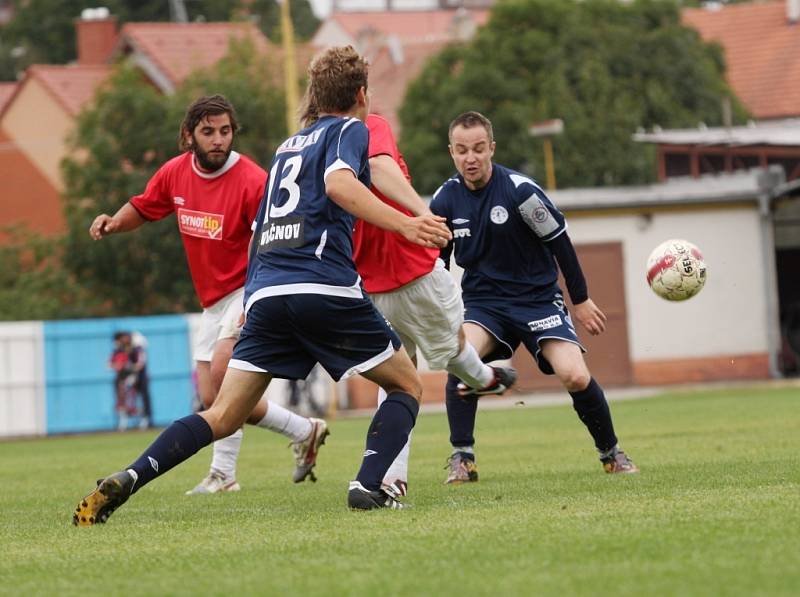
(389, 179)
(126, 219)
(351, 195)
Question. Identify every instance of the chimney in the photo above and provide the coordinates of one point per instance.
(96, 33)
(793, 11)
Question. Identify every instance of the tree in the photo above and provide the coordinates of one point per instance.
(268, 17)
(605, 67)
(119, 143)
(33, 283)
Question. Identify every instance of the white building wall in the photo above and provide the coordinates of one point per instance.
(729, 316)
(22, 392)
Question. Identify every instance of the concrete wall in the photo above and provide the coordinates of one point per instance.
(725, 326)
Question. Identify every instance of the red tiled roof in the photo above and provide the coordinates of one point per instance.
(71, 85)
(6, 91)
(762, 51)
(388, 81)
(179, 48)
(407, 25)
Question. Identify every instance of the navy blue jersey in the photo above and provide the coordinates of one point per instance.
(500, 236)
(302, 240)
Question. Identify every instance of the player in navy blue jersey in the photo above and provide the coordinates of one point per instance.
(303, 298)
(511, 241)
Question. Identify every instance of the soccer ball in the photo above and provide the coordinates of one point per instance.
(676, 270)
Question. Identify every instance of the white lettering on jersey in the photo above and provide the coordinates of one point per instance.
(460, 232)
(547, 323)
(498, 215)
(299, 142)
(537, 216)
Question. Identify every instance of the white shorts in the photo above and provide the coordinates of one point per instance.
(216, 321)
(426, 313)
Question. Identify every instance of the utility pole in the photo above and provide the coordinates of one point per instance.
(547, 129)
(289, 67)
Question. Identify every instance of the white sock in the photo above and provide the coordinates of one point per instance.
(226, 453)
(284, 421)
(399, 468)
(468, 367)
(464, 449)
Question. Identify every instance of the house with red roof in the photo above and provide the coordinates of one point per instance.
(761, 41)
(397, 44)
(38, 113)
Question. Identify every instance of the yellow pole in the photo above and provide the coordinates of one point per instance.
(289, 68)
(548, 164)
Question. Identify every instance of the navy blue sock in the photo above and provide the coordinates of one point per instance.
(387, 435)
(176, 443)
(461, 413)
(592, 409)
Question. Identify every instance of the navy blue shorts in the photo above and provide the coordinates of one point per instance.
(529, 324)
(287, 335)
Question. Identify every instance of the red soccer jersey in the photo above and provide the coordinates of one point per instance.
(385, 260)
(215, 213)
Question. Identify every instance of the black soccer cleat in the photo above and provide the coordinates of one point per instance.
(361, 498)
(504, 378)
(110, 494)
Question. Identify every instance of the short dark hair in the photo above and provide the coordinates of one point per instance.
(469, 120)
(335, 76)
(208, 105)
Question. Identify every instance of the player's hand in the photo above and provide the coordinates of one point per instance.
(590, 317)
(427, 230)
(103, 225)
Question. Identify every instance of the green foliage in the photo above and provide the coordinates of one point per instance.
(606, 68)
(268, 17)
(33, 283)
(119, 144)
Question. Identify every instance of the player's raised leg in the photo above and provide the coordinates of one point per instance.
(589, 402)
(239, 394)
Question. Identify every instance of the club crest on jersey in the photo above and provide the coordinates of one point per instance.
(498, 215)
(200, 223)
(286, 232)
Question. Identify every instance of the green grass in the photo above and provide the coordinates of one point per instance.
(715, 511)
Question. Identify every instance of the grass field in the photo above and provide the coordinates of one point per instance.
(715, 511)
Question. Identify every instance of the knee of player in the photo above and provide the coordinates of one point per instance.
(411, 386)
(221, 422)
(575, 380)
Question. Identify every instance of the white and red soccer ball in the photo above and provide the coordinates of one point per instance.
(676, 270)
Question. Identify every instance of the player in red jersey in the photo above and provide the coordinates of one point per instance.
(215, 193)
(412, 289)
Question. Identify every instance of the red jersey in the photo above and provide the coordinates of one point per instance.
(385, 260)
(215, 213)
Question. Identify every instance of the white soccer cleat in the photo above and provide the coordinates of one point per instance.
(306, 451)
(215, 482)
